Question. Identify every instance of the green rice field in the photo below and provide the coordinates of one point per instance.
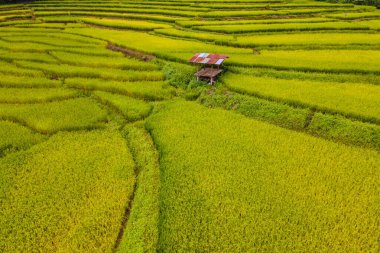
(108, 142)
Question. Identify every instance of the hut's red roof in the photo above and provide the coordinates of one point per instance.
(205, 58)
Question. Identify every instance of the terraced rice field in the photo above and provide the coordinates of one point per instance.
(108, 143)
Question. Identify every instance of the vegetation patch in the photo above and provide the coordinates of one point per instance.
(66, 194)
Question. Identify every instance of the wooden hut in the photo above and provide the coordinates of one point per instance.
(211, 66)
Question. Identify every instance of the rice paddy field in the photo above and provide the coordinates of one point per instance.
(108, 143)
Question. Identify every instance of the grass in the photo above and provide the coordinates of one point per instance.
(25, 95)
(276, 113)
(131, 108)
(73, 114)
(353, 99)
(66, 194)
(140, 90)
(14, 137)
(230, 184)
(335, 127)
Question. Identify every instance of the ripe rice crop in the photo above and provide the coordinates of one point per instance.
(152, 17)
(191, 23)
(140, 90)
(132, 109)
(230, 184)
(361, 15)
(119, 10)
(193, 35)
(29, 56)
(24, 95)
(313, 76)
(51, 41)
(141, 232)
(8, 68)
(247, 28)
(65, 70)
(307, 40)
(73, 114)
(125, 24)
(350, 61)
(14, 137)
(118, 61)
(353, 99)
(66, 194)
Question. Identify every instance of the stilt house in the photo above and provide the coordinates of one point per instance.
(211, 66)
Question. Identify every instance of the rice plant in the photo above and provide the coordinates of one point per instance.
(25, 95)
(132, 109)
(141, 90)
(353, 99)
(66, 194)
(231, 184)
(73, 114)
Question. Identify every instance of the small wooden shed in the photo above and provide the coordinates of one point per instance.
(211, 66)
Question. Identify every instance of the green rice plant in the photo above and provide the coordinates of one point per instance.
(14, 22)
(89, 52)
(141, 90)
(351, 99)
(14, 137)
(73, 114)
(313, 76)
(162, 18)
(360, 15)
(119, 10)
(193, 35)
(350, 61)
(60, 19)
(232, 184)
(26, 95)
(307, 40)
(11, 69)
(66, 194)
(62, 41)
(339, 128)
(192, 23)
(256, 13)
(65, 70)
(132, 109)
(41, 35)
(20, 16)
(239, 13)
(141, 232)
(101, 61)
(29, 56)
(27, 46)
(125, 24)
(249, 28)
(162, 47)
(273, 112)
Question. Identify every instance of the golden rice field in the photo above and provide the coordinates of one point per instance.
(108, 143)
